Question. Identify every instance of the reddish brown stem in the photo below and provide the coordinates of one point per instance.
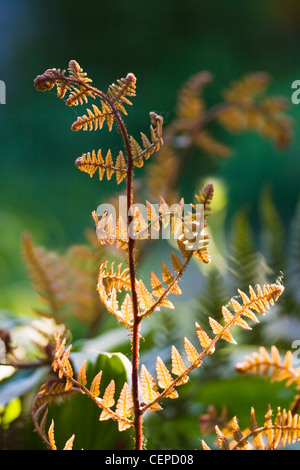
(131, 258)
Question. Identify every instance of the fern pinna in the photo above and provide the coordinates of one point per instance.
(123, 294)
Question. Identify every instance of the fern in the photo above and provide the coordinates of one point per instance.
(121, 291)
(281, 430)
(245, 106)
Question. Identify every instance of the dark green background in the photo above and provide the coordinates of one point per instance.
(162, 43)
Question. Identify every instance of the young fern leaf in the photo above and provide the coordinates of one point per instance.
(118, 93)
(149, 389)
(281, 430)
(197, 245)
(79, 93)
(261, 301)
(51, 443)
(164, 378)
(82, 374)
(92, 162)
(95, 385)
(145, 299)
(149, 146)
(108, 401)
(191, 353)
(271, 365)
(51, 436)
(109, 282)
(124, 407)
(95, 119)
(178, 366)
(248, 109)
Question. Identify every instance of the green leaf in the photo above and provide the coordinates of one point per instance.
(10, 412)
(20, 383)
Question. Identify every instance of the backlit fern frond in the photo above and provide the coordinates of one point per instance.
(149, 146)
(95, 119)
(248, 109)
(91, 163)
(190, 105)
(248, 88)
(49, 273)
(198, 243)
(78, 94)
(109, 283)
(161, 219)
(271, 365)
(118, 93)
(124, 405)
(257, 302)
(66, 283)
(277, 431)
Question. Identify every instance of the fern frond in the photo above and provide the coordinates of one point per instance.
(178, 366)
(164, 378)
(271, 365)
(45, 269)
(108, 401)
(149, 389)
(246, 89)
(53, 391)
(108, 231)
(145, 299)
(82, 374)
(51, 436)
(190, 104)
(258, 301)
(119, 278)
(276, 431)
(90, 162)
(109, 282)
(197, 246)
(247, 109)
(79, 93)
(65, 282)
(75, 71)
(149, 146)
(62, 366)
(124, 407)
(95, 385)
(69, 444)
(119, 92)
(95, 119)
(51, 439)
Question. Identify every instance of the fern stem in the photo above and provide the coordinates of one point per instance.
(131, 262)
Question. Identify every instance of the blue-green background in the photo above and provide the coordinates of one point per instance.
(163, 42)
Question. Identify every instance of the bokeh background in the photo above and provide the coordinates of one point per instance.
(163, 43)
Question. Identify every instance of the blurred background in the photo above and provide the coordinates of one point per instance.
(163, 43)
